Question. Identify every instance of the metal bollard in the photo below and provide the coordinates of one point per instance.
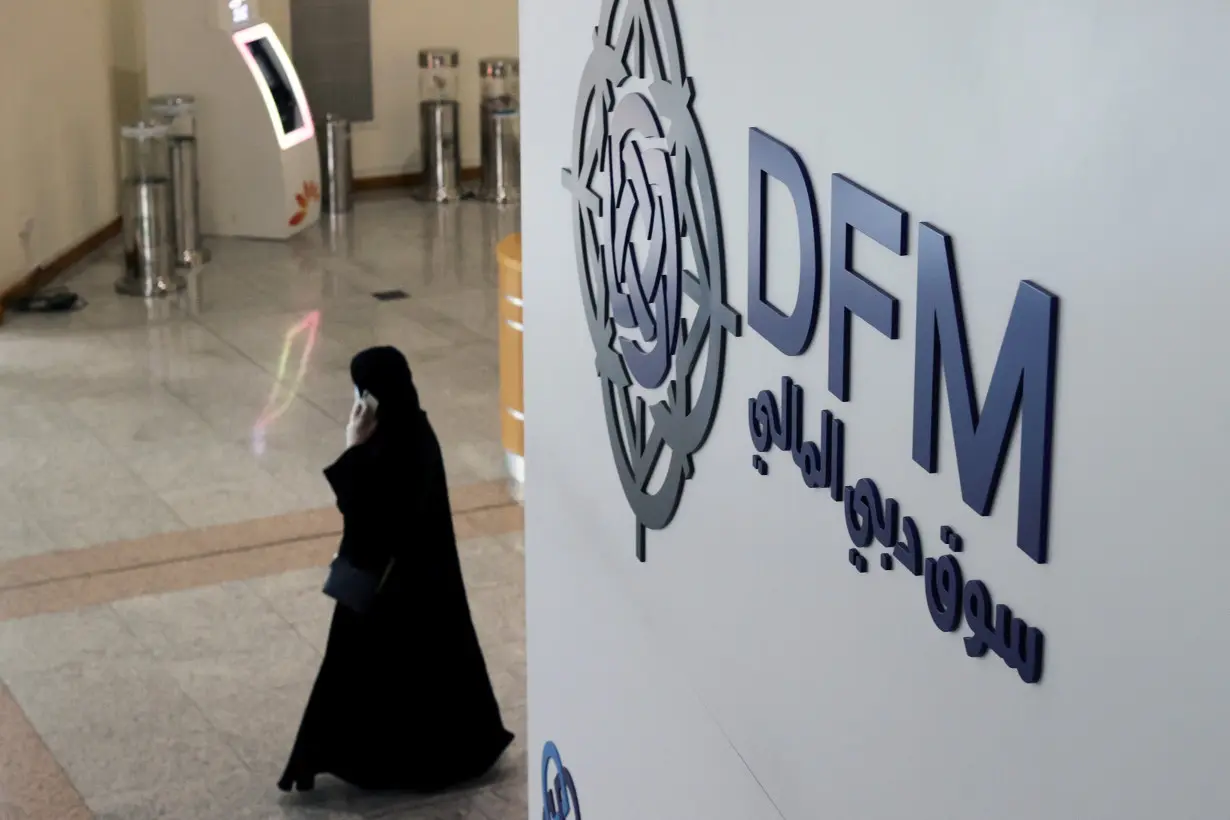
(440, 125)
(147, 213)
(336, 165)
(512, 386)
(500, 128)
(178, 112)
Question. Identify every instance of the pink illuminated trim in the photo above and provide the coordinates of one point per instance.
(276, 406)
(263, 31)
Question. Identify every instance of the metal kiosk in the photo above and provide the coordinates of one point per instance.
(260, 168)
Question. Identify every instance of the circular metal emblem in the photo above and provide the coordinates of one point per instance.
(648, 237)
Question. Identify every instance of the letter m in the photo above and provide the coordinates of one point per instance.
(1022, 389)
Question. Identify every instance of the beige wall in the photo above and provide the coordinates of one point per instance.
(277, 14)
(479, 28)
(126, 26)
(389, 145)
(61, 108)
(57, 142)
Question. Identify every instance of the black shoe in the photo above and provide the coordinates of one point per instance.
(303, 784)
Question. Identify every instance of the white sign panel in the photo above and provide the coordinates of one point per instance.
(877, 449)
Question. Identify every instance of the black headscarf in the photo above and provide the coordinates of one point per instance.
(375, 472)
(385, 373)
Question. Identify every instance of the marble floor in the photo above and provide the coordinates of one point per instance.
(164, 522)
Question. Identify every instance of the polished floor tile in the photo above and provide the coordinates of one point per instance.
(164, 523)
(185, 704)
(69, 580)
(34, 784)
(223, 403)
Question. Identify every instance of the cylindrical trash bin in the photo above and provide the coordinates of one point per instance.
(500, 129)
(147, 212)
(512, 395)
(178, 113)
(336, 167)
(440, 124)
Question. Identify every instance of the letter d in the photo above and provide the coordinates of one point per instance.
(791, 333)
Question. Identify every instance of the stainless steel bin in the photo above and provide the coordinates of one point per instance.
(147, 213)
(500, 129)
(440, 125)
(178, 113)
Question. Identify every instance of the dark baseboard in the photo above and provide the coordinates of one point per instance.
(44, 275)
(396, 181)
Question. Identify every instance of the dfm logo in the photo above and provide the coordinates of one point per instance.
(1022, 387)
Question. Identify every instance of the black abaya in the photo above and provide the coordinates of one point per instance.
(403, 699)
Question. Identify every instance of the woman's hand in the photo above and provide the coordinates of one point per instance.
(361, 425)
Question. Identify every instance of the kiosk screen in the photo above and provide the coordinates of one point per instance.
(279, 87)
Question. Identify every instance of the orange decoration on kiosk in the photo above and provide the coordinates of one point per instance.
(303, 200)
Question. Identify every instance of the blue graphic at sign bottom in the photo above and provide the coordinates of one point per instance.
(559, 792)
(872, 518)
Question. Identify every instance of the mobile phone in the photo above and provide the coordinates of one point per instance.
(368, 400)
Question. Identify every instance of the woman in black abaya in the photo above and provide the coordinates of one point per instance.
(403, 700)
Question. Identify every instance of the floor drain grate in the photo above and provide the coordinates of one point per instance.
(390, 295)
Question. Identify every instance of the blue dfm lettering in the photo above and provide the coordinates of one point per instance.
(1022, 387)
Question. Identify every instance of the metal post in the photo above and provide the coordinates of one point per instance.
(500, 127)
(502, 160)
(178, 113)
(440, 125)
(147, 213)
(336, 166)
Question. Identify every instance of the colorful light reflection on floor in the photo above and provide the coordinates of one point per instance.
(281, 396)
